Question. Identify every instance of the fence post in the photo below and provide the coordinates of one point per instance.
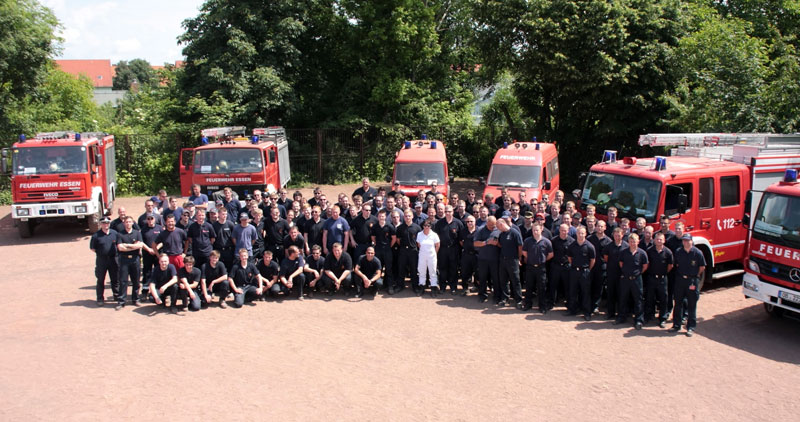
(128, 152)
(361, 150)
(319, 156)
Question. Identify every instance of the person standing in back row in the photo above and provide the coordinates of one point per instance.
(689, 267)
(104, 244)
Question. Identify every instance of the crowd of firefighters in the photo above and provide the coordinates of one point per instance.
(532, 252)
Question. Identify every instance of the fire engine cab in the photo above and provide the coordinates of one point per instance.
(229, 158)
(772, 271)
(67, 175)
(419, 164)
(703, 183)
(531, 167)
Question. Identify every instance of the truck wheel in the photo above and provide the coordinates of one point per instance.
(94, 219)
(773, 311)
(25, 229)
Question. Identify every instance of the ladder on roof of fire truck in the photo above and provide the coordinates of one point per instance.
(228, 131)
(273, 133)
(715, 139)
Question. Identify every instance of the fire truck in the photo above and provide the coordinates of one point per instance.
(704, 183)
(531, 167)
(229, 158)
(61, 175)
(418, 164)
(772, 270)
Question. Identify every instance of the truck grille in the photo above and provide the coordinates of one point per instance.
(60, 195)
(773, 269)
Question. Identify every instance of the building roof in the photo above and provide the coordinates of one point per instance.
(98, 71)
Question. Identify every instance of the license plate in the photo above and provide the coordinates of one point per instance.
(791, 297)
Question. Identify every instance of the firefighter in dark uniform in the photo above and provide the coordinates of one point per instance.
(689, 267)
(510, 241)
(361, 231)
(660, 259)
(163, 282)
(559, 265)
(408, 254)
(383, 237)
(130, 250)
(611, 256)
(469, 255)
(633, 263)
(488, 256)
(275, 229)
(599, 240)
(244, 280)
(582, 256)
(104, 244)
(448, 229)
(536, 251)
(674, 243)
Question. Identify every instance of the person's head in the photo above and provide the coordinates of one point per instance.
(396, 217)
(469, 221)
(228, 193)
(471, 195)
(378, 201)
(488, 198)
(461, 207)
(323, 200)
(555, 209)
(290, 215)
(591, 223)
(434, 185)
(213, 258)
(316, 251)
(541, 207)
(600, 228)
(426, 226)
(625, 224)
(396, 186)
(122, 213)
(570, 207)
(150, 219)
(440, 210)
(506, 202)
(370, 253)
(337, 250)
(317, 192)
(297, 196)
(196, 189)
(559, 196)
(365, 183)
(275, 213)
(169, 222)
(293, 232)
(282, 193)
(454, 198)
(483, 213)
(521, 196)
(687, 240)
(335, 211)
(590, 210)
(316, 212)
(580, 234)
(366, 210)
(648, 233)
(536, 229)
(149, 205)
(257, 216)
(292, 252)
(491, 222)
(212, 215)
(267, 256)
(128, 221)
(612, 213)
(185, 215)
(382, 217)
(163, 261)
(679, 226)
(390, 203)
(664, 222)
(222, 215)
(567, 218)
(244, 219)
(448, 212)
(618, 234)
(640, 223)
(502, 225)
(188, 262)
(173, 203)
(576, 219)
(633, 241)
(515, 210)
(658, 239)
(563, 230)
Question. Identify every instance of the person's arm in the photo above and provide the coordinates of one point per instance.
(325, 243)
(219, 279)
(205, 288)
(186, 244)
(591, 263)
(171, 281)
(233, 286)
(346, 240)
(296, 273)
(519, 251)
(360, 274)
(549, 256)
(344, 275)
(644, 268)
(436, 245)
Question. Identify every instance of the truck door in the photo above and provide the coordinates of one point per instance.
(271, 176)
(729, 239)
(705, 222)
(186, 170)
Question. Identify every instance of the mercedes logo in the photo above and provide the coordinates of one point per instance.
(794, 274)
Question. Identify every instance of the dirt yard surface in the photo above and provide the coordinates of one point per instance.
(391, 358)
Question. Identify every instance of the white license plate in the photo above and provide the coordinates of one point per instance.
(791, 297)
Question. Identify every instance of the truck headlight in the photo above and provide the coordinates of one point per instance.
(750, 286)
(80, 209)
(23, 212)
(753, 266)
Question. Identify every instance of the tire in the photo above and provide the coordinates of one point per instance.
(25, 229)
(94, 220)
(773, 311)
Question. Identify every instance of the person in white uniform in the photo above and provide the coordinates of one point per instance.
(428, 245)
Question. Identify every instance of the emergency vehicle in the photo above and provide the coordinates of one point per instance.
(66, 175)
(772, 270)
(418, 164)
(703, 183)
(228, 158)
(531, 167)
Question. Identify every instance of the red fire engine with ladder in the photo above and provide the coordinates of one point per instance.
(229, 158)
(704, 182)
(61, 175)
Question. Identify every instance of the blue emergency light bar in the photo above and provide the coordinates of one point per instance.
(407, 144)
(433, 144)
(609, 156)
(790, 176)
(77, 137)
(660, 163)
(534, 139)
(22, 138)
(254, 139)
(537, 145)
(424, 136)
(505, 144)
(204, 140)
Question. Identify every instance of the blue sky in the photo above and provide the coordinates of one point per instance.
(123, 29)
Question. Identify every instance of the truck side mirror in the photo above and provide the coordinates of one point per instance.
(451, 179)
(4, 162)
(98, 159)
(388, 179)
(547, 186)
(683, 202)
(746, 220)
(482, 180)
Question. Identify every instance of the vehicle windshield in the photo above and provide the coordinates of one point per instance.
(419, 173)
(49, 160)
(514, 175)
(778, 220)
(633, 197)
(228, 160)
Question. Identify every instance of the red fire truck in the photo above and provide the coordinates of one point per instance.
(418, 164)
(531, 167)
(228, 158)
(703, 183)
(772, 273)
(66, 175)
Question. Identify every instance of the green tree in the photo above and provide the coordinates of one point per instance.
(589, 73)
(27, 43)
(138, 70)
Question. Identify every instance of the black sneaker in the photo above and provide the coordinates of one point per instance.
(690, 332)
(674, 329)
(119, 306)
(100, 303)
(420, 291)
(501, 303)
(482, 299)
(137, 303)
(638, 326)
(434, 291)
(662, 324)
